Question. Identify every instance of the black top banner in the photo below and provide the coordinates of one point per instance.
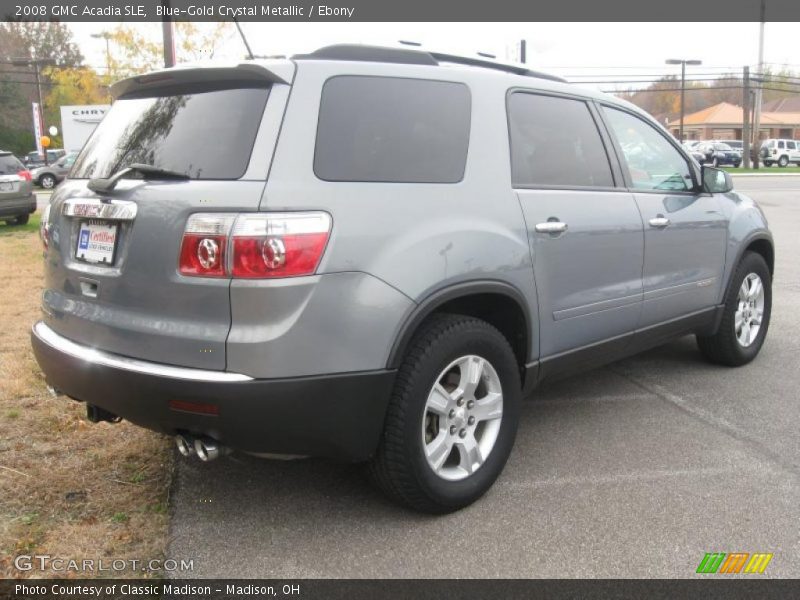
(402, 10)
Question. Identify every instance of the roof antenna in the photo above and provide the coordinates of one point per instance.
(487, 55)
(409, 43)
(244, 39)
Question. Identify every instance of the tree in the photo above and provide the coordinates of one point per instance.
(132, 51)
(24, 42)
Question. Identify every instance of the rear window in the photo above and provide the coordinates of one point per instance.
(9, 165)
(398, 130)
(204, 133)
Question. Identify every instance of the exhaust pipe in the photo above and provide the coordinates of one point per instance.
(185, 445)
(96, 415)
(208, 449)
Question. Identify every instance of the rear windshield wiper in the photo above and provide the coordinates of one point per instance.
(105, 185)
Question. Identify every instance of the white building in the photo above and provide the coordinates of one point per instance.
(78, 122)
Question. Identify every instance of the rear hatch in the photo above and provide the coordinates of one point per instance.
(13, 186)
(112, 278)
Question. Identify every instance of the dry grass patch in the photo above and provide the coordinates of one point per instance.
(68, 488)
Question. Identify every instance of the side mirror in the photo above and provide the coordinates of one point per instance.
(716, 181)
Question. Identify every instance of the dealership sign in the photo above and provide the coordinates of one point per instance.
(78, 123)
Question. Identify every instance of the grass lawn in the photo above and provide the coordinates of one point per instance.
(769, 170)
(68, 488)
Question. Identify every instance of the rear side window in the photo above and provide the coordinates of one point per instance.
(204, 133)
(9, 165)
(555, 142)
(790, 146)
(385, 129)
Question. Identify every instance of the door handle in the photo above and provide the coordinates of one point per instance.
(660, 221)
(551, 227)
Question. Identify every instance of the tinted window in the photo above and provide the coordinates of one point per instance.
(653, 163)
(392, 130)
(780, 144)
(9, 165)
(790, 145)
(555, 142)
(204, 134)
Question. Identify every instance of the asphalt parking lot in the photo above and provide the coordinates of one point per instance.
(634, 470)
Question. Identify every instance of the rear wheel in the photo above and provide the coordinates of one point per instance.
(745, 320)
(48, 182)
(767, 163)
(22, 219)
(783, 161)
(452, 418)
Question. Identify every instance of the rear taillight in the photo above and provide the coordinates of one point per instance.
(265, 245)
(26, 175)
(279, 244)
(204, 245)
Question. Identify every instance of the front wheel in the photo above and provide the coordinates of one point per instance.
(745, 320)
(453, 416)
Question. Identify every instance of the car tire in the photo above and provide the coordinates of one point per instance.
(427, 405)
(48, 182)
(783, 161)
(22, 220)
(727, 346)
(736, 165)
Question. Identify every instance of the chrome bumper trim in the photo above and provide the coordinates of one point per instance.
(98, 357)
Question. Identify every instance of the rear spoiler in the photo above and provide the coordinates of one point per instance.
(272, 71)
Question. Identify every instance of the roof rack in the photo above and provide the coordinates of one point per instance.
(405, 56)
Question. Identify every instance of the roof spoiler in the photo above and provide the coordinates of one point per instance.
(278, 72)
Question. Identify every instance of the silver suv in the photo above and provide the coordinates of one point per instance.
(374, 254)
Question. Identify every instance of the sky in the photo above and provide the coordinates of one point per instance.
(578, 51)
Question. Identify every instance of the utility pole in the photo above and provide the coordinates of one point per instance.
(757, 108)
(523, 50)
(683, 62)
(169, 42)
(37, 64)
(746, 118)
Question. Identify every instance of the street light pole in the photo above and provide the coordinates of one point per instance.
(104, 35)
(683, 62)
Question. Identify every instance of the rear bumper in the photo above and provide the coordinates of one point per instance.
(24, 205)
(337, 416)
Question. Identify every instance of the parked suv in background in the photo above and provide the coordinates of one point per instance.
(780, 152)
(381, 264)
(719, 153)
(50, 176)
(34, 159)
(17, 200)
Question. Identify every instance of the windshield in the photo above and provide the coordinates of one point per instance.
(205, 134)
(9, 165)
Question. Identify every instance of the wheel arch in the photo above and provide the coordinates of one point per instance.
(499, 303)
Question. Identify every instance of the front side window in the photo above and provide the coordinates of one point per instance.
(391, 129)
(555, 142)
(652, 162)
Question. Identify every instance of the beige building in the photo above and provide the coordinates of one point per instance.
(724, 122)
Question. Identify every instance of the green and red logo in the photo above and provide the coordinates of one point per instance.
(734, 562)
